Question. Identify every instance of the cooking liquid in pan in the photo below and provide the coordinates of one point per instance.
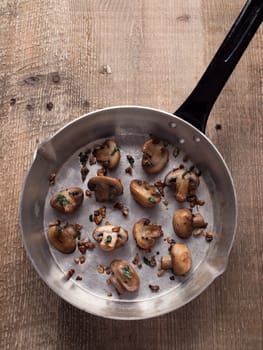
(95, 282)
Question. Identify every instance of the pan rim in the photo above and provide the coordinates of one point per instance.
(92, 114)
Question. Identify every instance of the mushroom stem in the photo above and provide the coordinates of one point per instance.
(182, 190)
(198, 221)
(166, 262)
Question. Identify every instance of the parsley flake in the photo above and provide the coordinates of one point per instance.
(146, 261)
(127, 272)
(62, 200)
(152, 200)
(59, 229)
(83, 158)
(130, 160)
(108, 239)
(115, 149)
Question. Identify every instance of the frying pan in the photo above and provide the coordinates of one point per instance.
(130, 126)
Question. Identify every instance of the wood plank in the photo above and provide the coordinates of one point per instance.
(55, 52)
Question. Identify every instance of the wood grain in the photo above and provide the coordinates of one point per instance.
(54, 51)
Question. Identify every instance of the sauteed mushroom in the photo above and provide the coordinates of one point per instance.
(184, 222)
(106, 188)
(179, 260)
(108, 154)
(123, 276)
(155, 155)
(63, 238)
(144, 193)
(182, 181)
(110, 237)
(67, 200)
(145, 233)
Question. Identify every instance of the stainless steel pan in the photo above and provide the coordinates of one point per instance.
(130, 126)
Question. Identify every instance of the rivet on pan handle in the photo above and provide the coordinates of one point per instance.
(198, 105)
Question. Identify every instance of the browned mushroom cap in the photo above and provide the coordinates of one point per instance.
(144, 193)
(106, 188)
(63, 239)
(179, 260)
(184, 222)
(108, 154)
(124, 277)
(110, 237)
(155, 156)
(181, 181)
(67, 200)
(145, 233)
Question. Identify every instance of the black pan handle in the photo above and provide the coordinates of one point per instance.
(198, 105)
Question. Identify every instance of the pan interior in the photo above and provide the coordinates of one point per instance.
(92, 280)
(130, 127)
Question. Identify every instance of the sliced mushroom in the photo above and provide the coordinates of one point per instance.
(155, 155)
(110, 237)
(144, 194)
(124, 277)
(108, 154)
(184, 222)
(182, 181)
(63, 238)
(67, 200)
(145, 233)
(179, 260)
(106, 188)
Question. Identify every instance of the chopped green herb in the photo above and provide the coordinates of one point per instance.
(127, 272)
(59, 229)
(146, 261)
(62, 200)
(83, 158)
(115, 149)
(150, 262)
(152, 200)
(78, 235)
(91, 218)
(130, 160)
(108, 239)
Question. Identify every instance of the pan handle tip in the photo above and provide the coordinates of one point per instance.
(197, 106)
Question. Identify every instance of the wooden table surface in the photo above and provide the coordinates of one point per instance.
(52, 57)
